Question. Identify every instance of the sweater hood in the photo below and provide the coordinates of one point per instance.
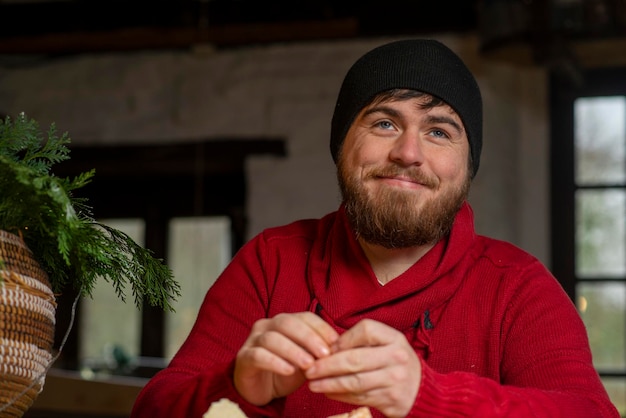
(345, 290)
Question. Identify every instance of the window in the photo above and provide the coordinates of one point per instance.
(589, 212)
(104, 344)
(199, 248)
(184, 202)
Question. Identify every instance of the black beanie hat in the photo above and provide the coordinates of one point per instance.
(419, 64)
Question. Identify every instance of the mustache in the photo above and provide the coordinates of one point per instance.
(414, 174)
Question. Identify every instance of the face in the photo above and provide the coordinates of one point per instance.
(404, 171)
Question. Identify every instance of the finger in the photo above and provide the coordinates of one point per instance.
(349, 362)
(256, 375)
(308, 331)
(367, 333)
(369, 398)
(321, 327)
(391, 390)
(288, 348)
(261, 358)
(355, 386)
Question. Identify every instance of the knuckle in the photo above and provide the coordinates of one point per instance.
(354, 363)
(367, 324)
(360, 398)
(263, 339)
(250, 356)
(354, 384)
(283, 321)
(256, 355)
(369, 330)
(400, 356)
(398, 374)
(393, 399)
(260, 325)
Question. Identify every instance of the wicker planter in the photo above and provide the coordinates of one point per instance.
(27, 321)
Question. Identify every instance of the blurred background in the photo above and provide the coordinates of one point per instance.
(209, 120)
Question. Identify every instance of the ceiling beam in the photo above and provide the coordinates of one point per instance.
(138, 38)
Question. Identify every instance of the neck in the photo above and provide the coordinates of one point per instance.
(387, 263)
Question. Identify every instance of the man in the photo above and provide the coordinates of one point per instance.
(392, 302)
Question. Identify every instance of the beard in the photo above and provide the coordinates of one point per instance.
(392, 218)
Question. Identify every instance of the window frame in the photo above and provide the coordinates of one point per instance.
(564, 91)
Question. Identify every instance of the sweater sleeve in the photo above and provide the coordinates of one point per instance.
(201, 371)
(463, 394)
(546, 370)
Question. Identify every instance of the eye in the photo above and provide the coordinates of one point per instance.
(384, 124)
(438, 133)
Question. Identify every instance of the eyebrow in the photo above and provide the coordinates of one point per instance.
(446, 120)
(381, 109)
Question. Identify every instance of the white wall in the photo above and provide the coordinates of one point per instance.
(287, 90)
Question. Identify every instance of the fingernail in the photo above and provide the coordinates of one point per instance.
(306, 362)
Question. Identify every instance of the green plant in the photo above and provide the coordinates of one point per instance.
(59, 228)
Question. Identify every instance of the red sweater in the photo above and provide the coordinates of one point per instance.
(497, 335)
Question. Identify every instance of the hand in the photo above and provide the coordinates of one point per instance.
(372, 365)
(271, 362)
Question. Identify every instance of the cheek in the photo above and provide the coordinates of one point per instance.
(360, 155)
(367, 153)
(452, 163)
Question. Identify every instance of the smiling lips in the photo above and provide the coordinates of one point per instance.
(404, 178)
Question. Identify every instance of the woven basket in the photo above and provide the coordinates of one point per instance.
(27, 321)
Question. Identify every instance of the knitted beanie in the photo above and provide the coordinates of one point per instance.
(420, 64)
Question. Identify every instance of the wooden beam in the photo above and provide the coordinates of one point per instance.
(128, 39)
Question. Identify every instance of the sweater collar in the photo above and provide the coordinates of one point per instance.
(344, 286)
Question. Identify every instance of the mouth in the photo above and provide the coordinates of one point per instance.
(412, 180)
(402, 181)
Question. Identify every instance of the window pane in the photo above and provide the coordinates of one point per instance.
(199, 249)
(600, 137)
(602, 307)
(616, 387)
(600, 234)
(110, 328)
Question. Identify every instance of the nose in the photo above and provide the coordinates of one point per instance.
(407, 149)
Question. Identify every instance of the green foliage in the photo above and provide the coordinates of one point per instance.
(71, 246)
